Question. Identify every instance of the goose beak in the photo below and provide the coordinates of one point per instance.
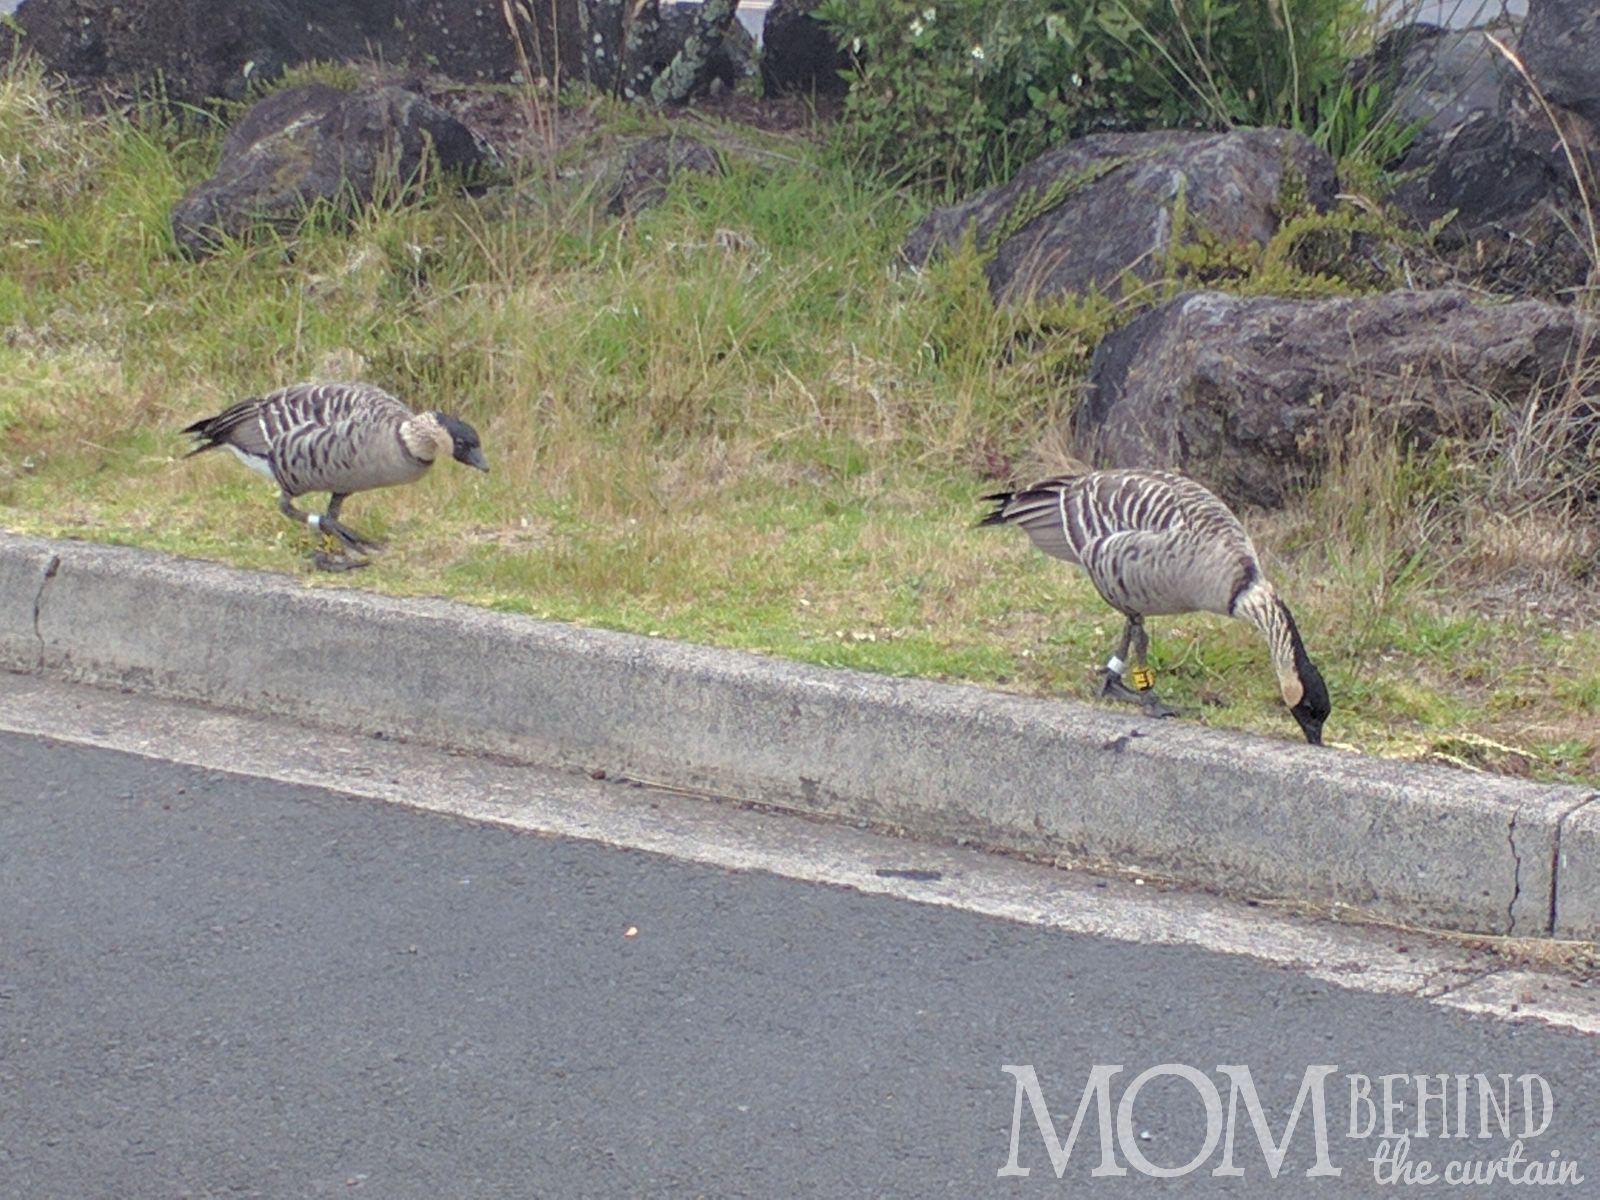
(1310, 726)
(475, 458)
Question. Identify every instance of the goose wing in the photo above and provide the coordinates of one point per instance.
(1152, 542)
(263, 424)
(311, 436)
(318, 409)
(1158, 573)
(1069, 513)
(334, 437)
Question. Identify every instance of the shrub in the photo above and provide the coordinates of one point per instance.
(957, 93)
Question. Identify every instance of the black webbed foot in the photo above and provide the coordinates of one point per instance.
(351, 539)
(1155, 707)
(325, 561)
(1112, 687)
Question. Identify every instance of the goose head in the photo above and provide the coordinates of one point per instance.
(428, 436)
(1306, 695)
(460, 441)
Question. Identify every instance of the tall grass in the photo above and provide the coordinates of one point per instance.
(727, 419)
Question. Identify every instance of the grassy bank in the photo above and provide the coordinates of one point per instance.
(730, 421)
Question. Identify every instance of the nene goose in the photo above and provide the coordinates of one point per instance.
(339, 438)
(1155, 544)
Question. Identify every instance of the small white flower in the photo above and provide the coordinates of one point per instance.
(928, 14)
(1077, 80)
(916, 28)
(977, 53)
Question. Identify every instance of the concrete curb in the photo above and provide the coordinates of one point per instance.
(1422, 844)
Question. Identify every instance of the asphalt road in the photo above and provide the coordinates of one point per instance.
(213, 985)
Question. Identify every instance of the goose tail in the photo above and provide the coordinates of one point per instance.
(204, 432)
(1001, 501)
(225, 428)
(210, 433)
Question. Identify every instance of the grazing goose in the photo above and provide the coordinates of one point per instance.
(338, 438)
(1155, 544)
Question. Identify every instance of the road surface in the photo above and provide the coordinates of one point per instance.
(219, 983)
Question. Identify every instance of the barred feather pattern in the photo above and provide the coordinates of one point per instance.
(323, 437)
(1152, 542)
(1155, 544)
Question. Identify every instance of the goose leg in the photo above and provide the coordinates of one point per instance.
(1111, 685)
(1144, 678)
(1135, 643)
(352, 539)
(332, 534)
(287, 508)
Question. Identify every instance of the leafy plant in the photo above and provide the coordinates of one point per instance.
(956, 93)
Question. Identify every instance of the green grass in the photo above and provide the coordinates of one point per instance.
(728, 421)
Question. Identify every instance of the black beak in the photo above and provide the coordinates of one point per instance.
(475, 458)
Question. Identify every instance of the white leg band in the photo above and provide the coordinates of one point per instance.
(314, 520)
(1114, 665)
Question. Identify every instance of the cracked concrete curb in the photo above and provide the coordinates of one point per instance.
(1422, 844)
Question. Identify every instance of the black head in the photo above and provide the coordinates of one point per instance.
(464, 444)
(1304, 691)
(1314, 705)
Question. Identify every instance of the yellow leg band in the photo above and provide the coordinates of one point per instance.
(1143, 678)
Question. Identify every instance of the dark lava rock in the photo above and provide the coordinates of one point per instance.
(316, 142)
(199, 50)
(651, 164)
(730, 61)
(1081, 215)
(1249, 393)
(1486, 161)
(1560, 46)
(799, 55)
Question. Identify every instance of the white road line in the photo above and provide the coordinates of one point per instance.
(725, 835)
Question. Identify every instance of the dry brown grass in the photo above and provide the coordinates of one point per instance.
(727, 421)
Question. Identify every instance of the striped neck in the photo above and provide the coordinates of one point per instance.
(1259, 605)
